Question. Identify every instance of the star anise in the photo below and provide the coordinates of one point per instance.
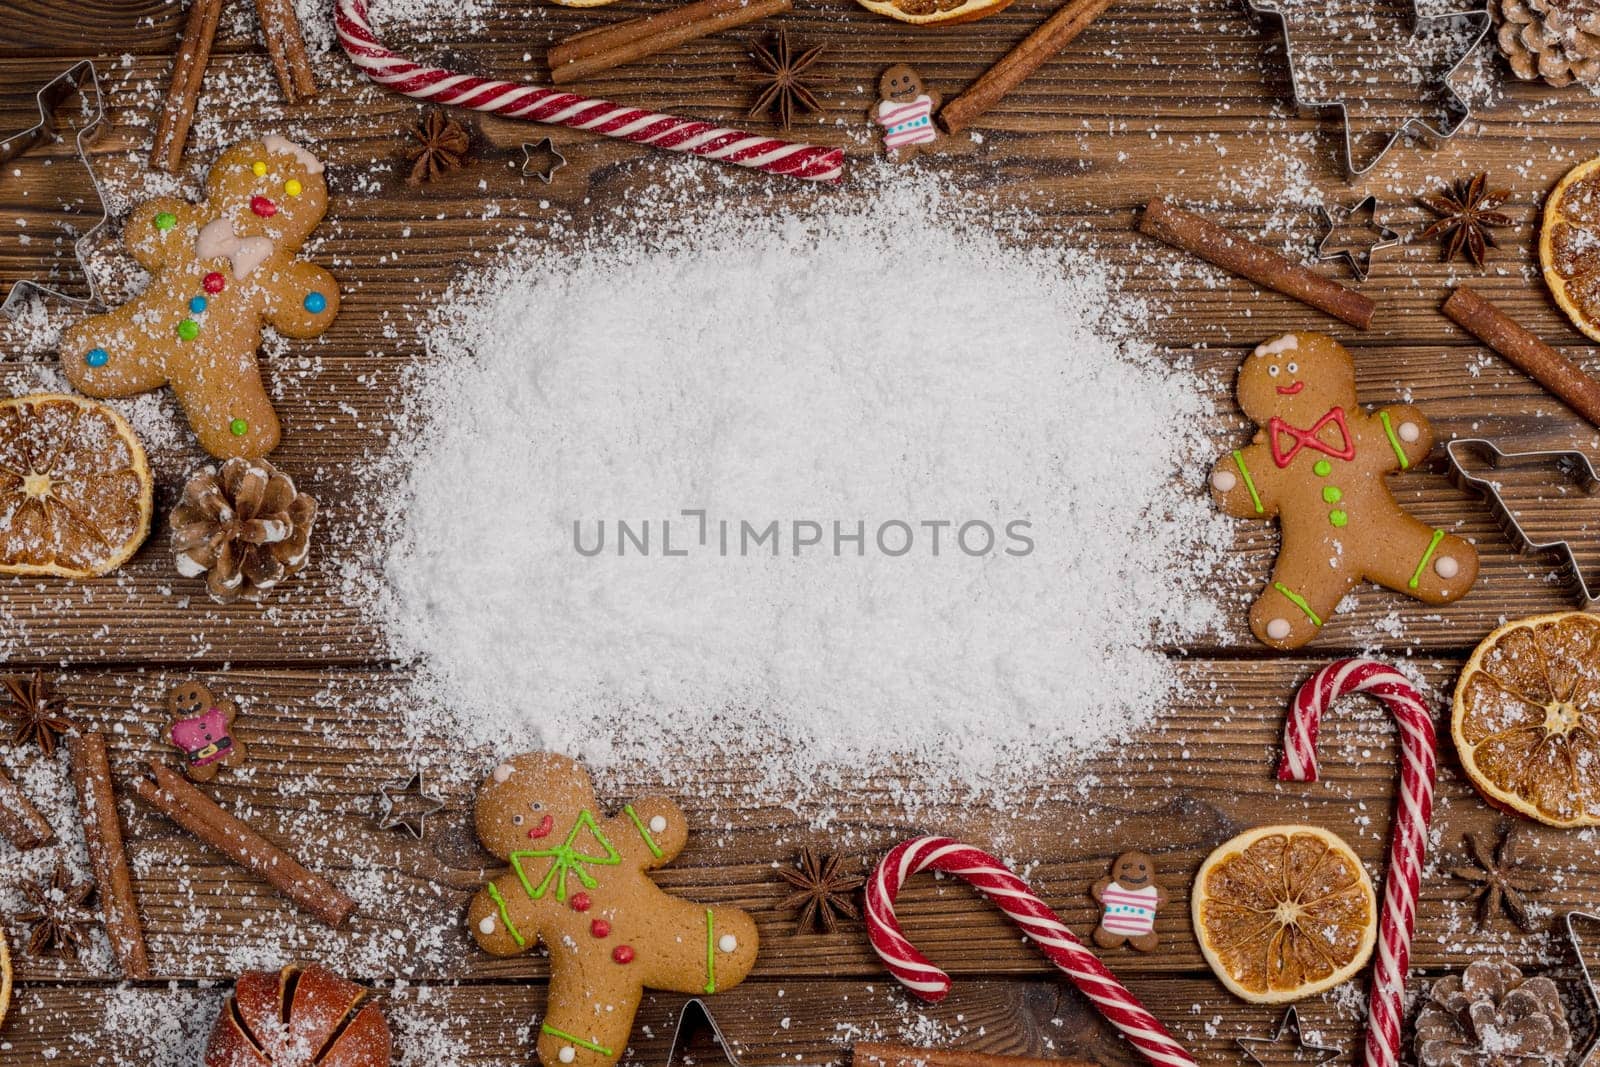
(442, 146)
(60, 920)
(782, 78)
(1466, 211)
(1500, 879)
(36, 714)
(823, 894)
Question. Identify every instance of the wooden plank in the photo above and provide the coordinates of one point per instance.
(322, 743)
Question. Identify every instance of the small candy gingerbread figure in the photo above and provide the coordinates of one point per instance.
(1129, 899)
(221, 269)
(1320, 464)
(905, 111)
(202, 729)
(578, 883)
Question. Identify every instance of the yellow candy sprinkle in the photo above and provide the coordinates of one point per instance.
(258, 168)
(292, 187)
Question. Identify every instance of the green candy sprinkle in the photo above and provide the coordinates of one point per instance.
(1331, 494)
(238, 427)
(166, 220)
(1323, 468)
(1338, 518)
(188, 329)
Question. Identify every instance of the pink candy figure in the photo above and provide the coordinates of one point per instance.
(202, 730)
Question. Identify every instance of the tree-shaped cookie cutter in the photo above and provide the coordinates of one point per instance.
(1458, 111)
(1575, 465)
(78, 78)
(1590, 1057)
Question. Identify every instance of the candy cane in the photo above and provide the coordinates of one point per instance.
(1409, 844)
(995, 881)
(535, 103)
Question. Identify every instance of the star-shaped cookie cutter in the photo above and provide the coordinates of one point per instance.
(1289, 1028)
(546, 149)
(78, 78)
(1357, 257)
(1458, 110)
(406, 805)
(1575, 465)
(1591, 1055)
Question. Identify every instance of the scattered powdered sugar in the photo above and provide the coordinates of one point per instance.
(870, 485)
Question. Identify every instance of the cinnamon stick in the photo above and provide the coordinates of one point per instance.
(173, 796)
(119, 911)
(20, 821)
(596, 50)
(874, 1055)
(188, 69)
(280, 32)
(1054, 34)
(1225, 249)
(1475, 314)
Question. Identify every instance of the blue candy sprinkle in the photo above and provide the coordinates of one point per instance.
(96, 357)
(197, 304)
(316, 303)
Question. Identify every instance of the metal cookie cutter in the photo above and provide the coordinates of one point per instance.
(1591, 1056)
(1358, 257)
(1575, 465)
(1458, 110)
(695, 1017)
(78, 78)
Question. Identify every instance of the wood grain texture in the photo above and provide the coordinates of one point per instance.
(1155, 99)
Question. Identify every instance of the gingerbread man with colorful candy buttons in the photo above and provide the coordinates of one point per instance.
(578, 884)
(1320, 464)
(220, 269)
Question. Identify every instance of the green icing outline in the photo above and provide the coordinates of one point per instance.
(1249, 483)
(566, 858)
(576, 1040)
(1416, 575)
(711, 954)
(1298, 601)
(1394, 442)
(644, 833)
(505, 916)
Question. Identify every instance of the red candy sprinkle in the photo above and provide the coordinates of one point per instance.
(214, 282)
(263, 207)
(622, 954)
(580, 902)
(600, 928)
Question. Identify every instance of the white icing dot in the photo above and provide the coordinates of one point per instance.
(1224, 481)
(486, 924)
(1278, 629)
(658, 824)
(567, 1054)
(728, 943)
(1446, 567)
(1409, 432)
(504, 771)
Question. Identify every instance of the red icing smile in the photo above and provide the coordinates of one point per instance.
(1291, 390)
(543, 829)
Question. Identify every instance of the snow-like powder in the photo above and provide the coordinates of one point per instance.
(892, 370)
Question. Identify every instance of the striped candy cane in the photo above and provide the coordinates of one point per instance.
(1409, 840)
(535, 103)
(992, 878)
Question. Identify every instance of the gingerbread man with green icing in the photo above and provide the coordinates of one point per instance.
(1320, 465)
(220, 269)
(578, 883)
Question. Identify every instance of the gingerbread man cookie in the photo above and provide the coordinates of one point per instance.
(905, 111)
(1128, 902)
(220, 269)
(1320, 464)
(202, 729)
(578, 883)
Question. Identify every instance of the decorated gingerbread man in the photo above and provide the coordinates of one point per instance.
(1128, 901)
(905, 111)
(1320, 464)
(202, 729)
(220, 269)
(578, 883)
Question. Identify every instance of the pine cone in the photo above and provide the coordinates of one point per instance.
(244, 527)
(1557, 40)
(1490, 1016)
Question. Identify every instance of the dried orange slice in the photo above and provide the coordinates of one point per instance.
(1569, 246)
(1526, 719)
(934, 12)
(1283, 912)
(75, 488)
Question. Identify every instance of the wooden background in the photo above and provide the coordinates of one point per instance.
(1182, 99)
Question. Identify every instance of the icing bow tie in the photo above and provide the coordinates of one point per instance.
(1277, 430)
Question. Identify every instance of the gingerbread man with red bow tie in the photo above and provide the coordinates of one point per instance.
(1320, 464)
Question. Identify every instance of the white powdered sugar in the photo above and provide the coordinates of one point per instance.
(1020, 467)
